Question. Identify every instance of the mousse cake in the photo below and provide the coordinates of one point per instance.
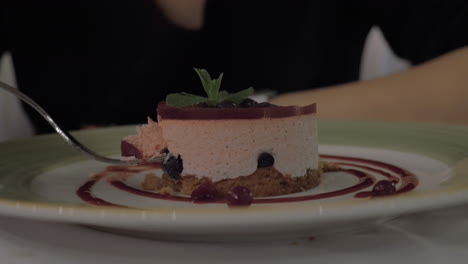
(226, 141)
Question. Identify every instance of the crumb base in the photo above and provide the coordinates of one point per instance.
(262, 183)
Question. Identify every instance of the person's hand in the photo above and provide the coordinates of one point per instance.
(187, 14)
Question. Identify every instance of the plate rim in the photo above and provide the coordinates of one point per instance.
(452, 195)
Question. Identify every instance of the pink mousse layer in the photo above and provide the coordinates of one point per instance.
(225, 143)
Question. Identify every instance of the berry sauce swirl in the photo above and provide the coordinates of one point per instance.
(357, 167)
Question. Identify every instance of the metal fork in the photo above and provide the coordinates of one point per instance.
(72, 141)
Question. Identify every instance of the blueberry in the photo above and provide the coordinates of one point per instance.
(248, 103)
(239, 196)
(204, 192)
(383, 187)
(173, 167)
(226, 104)
(265, 160)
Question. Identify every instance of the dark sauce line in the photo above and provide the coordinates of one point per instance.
(365, 181)
(124, 187)
(85, 191)
(409, 182)
(406, 188)
(389, 176)
(399, 171)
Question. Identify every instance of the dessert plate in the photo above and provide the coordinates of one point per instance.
(42, 178)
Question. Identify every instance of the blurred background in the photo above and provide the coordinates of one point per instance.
(377, 60)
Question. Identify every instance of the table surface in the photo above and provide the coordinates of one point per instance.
(431, 237)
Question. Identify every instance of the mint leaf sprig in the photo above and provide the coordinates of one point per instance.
(212, 90)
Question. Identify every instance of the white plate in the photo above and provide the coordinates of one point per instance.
(44, 186)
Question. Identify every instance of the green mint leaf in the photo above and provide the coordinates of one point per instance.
(222, 95)
(212, 89)
(184, 100)
(216, 84)
(211, 102)
(192, 95)
(211, 86)
(239, 96)
(206, 81)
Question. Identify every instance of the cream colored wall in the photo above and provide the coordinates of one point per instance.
(378, 59)
(13, 121)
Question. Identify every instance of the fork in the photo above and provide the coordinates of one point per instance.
(72, 141)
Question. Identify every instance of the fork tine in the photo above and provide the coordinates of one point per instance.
(72, 141)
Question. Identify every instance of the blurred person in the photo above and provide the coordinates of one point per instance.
(102, 62)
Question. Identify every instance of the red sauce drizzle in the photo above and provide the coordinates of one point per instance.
(365, 180)
(409, 181)
(85, 191)
(122, 186)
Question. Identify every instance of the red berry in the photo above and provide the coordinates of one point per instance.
(239, 196)
(204, 192)
(383, 187)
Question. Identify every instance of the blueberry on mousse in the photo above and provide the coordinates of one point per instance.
(265, 160)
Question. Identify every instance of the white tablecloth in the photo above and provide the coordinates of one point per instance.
(432, 237)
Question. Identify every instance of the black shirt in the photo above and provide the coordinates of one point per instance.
(110, 62)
